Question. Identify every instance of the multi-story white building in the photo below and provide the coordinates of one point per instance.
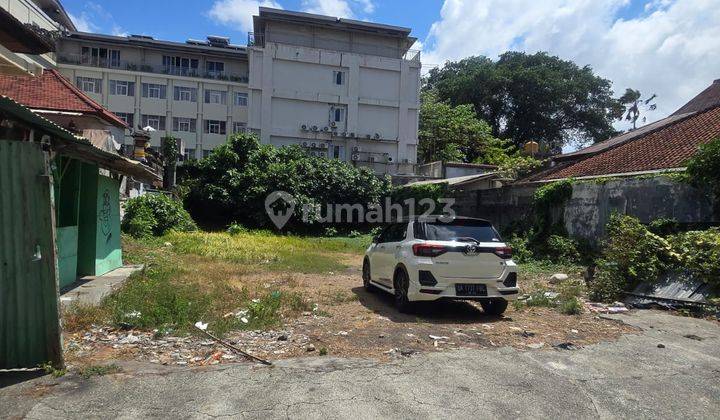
(195, 91)
(341, 88)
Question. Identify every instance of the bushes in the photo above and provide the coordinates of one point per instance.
(232, 183)
(633, 254)
(155, 214)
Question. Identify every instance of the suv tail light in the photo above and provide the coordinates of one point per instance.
(428, 250)
(504, 252)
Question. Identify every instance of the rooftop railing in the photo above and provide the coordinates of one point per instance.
(258, 39)
(80, 60)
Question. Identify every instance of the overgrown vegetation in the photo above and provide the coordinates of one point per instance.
(632, 254)
(99, 370)
(703, 169)
(197, 278)
(154, 215)
(566, 300)
(232, 184)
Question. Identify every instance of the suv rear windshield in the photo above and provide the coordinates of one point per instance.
(438, 231)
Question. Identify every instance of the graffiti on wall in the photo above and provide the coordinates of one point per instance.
(104, 216)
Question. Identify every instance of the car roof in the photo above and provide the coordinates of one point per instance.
(436, 218)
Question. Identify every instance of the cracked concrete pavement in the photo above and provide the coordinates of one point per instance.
(632, 377)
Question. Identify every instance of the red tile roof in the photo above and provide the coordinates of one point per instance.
(52, 91)
(705, 99)
(666, 148)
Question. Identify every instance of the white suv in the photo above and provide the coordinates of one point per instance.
(432, 258)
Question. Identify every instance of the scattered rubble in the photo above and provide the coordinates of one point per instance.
(188, 350)
(614, 308)
(557, 278)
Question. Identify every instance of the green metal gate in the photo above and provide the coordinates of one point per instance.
(29, 319)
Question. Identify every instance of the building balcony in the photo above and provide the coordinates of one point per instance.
(79, 60)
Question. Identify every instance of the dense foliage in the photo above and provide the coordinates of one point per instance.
(455, 134)
(703, 169)
(154, 215)
(535, 97)
(633, 254)
(231, 185)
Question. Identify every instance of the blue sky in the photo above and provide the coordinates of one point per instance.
(667, 47)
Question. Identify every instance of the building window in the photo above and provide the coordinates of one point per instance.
(339, 77)
(186, 94)
(215, 97)
(206, 152)
(155, 121)
(126, 117)
(239, 127)
(181, 66)
(241, 99)
(100, 57)
(152, 90)
(215, 68)
(337, 113)
(122, 88)
(184, 124)
(214, 127)
(189, 154)
(89, 84)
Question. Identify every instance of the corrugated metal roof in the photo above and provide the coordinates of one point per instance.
(68, 144)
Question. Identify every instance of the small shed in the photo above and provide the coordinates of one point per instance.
(59, 218)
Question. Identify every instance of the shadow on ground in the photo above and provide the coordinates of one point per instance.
(438, 312)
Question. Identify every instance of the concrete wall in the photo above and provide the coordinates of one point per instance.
(292, 85)
(592, 203)
(29, 13)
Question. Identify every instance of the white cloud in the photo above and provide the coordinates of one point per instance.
(339, 8)
(239, 12)
(672, 49)
(83, 22)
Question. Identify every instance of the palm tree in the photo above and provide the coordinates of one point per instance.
(632, 100)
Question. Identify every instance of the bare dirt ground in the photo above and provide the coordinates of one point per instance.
(348, 321)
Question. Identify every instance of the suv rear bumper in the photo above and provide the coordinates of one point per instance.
(445, 287)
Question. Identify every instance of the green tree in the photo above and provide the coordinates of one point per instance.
(454, 133)
(231, 185)
(535, 97)
(632, 101)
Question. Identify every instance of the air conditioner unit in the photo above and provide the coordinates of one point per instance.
(371, 159)
(356, 149)
(343, 134)
(313, 145)
(322, 154)
(352, 135)
(304, 127)
(355, 157)
(326, 129)
(333, 124)
(388, 159)
(323, 145)
(377, 136)
(367, 136)
(313, 154)
(304, 144)
(314, 128)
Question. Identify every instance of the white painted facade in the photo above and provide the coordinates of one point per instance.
(367, 115)
(199, 105)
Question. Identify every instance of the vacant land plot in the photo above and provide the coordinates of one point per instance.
(279, 296)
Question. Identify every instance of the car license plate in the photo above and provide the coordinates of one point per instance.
(471, 290)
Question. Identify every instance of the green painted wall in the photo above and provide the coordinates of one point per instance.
(67, 173)
(99, 228)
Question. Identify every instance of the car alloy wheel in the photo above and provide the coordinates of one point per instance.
(401, 291)
(366, 276)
